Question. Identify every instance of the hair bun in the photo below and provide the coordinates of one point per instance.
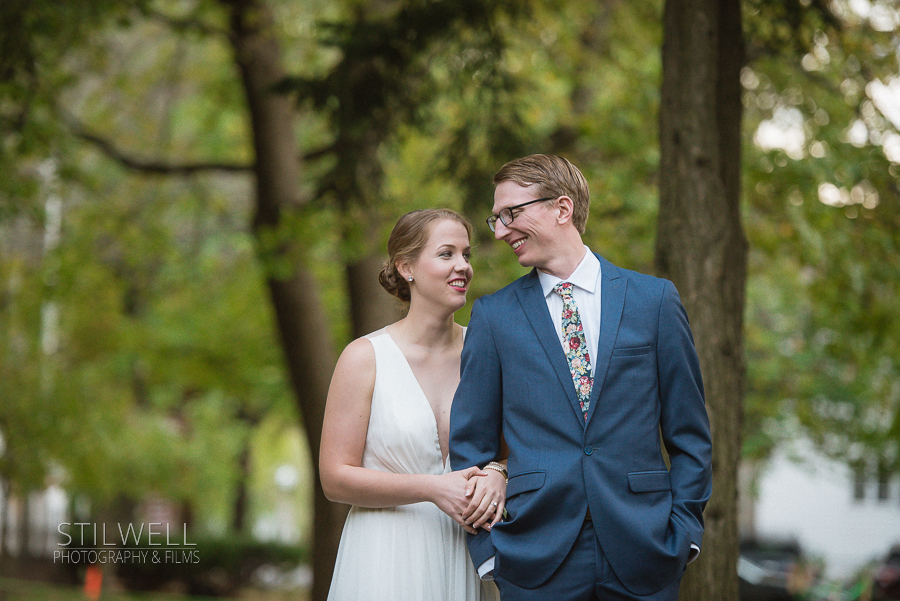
(391, 281)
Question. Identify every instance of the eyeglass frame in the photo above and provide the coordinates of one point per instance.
(492, 220)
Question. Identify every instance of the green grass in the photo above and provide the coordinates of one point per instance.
(12, 589)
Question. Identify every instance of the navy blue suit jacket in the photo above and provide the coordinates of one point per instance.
(515, 382)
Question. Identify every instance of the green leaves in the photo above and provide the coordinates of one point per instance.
(825, 231)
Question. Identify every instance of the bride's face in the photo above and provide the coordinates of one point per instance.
(442, 272)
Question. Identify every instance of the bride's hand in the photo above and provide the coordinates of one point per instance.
(449, 494)
(487, 500)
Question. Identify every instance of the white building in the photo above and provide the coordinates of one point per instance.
(844, 517)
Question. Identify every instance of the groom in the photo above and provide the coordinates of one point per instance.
(580, 367)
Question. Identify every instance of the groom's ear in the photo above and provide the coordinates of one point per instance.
(566, 208)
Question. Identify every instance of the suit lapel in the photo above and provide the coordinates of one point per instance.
(531, 297)
(612, 302)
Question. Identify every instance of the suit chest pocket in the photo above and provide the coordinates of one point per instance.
(633, 351)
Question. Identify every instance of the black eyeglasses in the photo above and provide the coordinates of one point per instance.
(506, 215)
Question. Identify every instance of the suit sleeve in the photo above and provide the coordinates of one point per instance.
(684, 422)
(476, 414)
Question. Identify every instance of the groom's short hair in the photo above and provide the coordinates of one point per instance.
(554, 176)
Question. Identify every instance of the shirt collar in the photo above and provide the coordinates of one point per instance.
(585, 275)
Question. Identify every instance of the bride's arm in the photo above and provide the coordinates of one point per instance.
(344, 429)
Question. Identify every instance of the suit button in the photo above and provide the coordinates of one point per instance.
(588, 450)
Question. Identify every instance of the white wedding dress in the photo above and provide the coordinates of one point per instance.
(411, 552)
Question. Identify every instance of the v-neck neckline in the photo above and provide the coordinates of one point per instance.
(434, 417)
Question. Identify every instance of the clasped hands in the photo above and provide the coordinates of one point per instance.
(473, 497)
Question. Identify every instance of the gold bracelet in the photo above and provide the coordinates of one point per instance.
(498, 467)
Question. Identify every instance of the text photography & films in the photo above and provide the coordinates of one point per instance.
(90, 543)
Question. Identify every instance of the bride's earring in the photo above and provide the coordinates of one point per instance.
(409, 278)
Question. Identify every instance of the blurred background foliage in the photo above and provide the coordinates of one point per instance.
(138, 349)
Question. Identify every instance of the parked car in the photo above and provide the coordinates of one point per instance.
(886, 583)
(772, 571)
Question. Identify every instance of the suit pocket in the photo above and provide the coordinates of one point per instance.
(516, 501)
(632, 351)
(524, 482)
(649, 481)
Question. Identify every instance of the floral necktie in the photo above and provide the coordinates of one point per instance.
(575, 346)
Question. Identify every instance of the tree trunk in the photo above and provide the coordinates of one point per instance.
(241, 493)
(701, 246)
(305, 336)
(371, 307)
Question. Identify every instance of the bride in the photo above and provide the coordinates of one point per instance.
(385, 434)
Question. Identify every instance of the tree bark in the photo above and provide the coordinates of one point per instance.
(701, 246)
(241, 493)
(305, 336)
(371, 307)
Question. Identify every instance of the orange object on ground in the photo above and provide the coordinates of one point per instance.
(93, 582)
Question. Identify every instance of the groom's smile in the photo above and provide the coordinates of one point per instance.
(526, 232)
